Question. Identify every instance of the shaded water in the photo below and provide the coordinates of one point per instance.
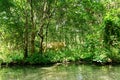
(63, 72)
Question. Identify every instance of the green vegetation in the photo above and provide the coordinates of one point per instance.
(51, 31)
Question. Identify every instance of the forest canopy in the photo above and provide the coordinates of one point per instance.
(48, 31)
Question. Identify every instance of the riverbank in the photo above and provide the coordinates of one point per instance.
(79, 62)
(62, 57)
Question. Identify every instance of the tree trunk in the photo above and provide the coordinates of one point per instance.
(26, 36)
(41, 39)
(44, 22)
(33, 28)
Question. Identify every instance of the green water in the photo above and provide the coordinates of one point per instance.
(63, 72)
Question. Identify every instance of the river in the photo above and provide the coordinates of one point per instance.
(61, 72)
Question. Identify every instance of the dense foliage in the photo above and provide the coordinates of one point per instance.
(33, 31)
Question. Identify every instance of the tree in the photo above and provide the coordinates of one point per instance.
(33, 29)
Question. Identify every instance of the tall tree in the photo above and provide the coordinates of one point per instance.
(33, 29)
(26, 36)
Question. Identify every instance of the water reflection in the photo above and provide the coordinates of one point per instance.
(63, 72)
